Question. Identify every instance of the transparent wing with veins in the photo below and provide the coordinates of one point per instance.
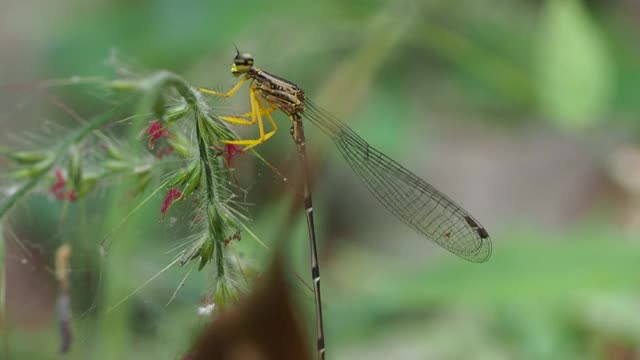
(411, 199)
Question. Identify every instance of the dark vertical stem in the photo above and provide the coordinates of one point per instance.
(298, 137)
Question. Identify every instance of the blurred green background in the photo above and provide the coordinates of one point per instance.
(525, 112)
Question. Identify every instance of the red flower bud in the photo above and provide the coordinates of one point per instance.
(172, 195)
(230, 151)
(155, 132)
(58, 189)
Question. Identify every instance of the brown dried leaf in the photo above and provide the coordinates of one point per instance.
(263, 326)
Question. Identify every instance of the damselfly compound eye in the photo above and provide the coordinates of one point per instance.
(243, 59)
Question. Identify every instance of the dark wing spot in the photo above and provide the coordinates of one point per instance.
(483, 233)
(480, 230)
(471, 222)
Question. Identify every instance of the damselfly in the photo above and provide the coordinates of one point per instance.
(411, 199)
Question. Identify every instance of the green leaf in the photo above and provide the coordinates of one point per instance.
(206, 253)
(194, 180)
(574, 67)
(29, 157)
(75, 167)
(34, 171)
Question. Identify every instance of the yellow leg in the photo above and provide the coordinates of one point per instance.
(238, 120)
(267, 113)
(263, 111)
(242, 119)
(255, 117)
(257, 110)
(229, 93)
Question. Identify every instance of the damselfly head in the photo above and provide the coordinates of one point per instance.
(242, 63)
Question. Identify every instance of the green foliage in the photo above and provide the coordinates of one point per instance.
(574, 66)
(397, 72)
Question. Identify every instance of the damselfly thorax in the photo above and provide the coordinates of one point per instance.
(284, 94)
